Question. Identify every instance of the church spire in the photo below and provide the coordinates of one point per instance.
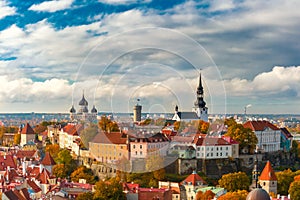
(200, 103)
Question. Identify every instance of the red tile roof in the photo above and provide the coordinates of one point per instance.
(19, 195)
(34, 186)
(10, 195)
(230, 140)
(25, 153)
(268, 174)
(73, 129)
(7, 160)
(44, 176)
(210, 141)
(260, 125)
(48, 160)
(25, 193)
(193, 179)
(110, 138)
(27, 129)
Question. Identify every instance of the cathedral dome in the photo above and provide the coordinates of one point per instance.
(94, 110)
(72, 110)
(83, 101)
(258, 194)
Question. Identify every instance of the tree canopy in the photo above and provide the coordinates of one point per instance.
(107, 125)
(294, 190)
(244, 136)
(284, 180)
(53, 149)
(235, 181)
(83, 173)
(110, 190)
(208, 195)
(238, 195)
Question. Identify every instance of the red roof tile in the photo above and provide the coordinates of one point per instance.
(268, 174)
(260, 125)
(110, 138)
(25, 154)
(210, 141)
(193, 179)
(27, 129)
(19, 195)
(34, 186)
(73, 129)
(48, 160)
(25, 193)
(7, 160)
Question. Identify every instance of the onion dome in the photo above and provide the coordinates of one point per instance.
(94, 110)
(83, 101)
(258, 193)
(85, 110)
(72, 110)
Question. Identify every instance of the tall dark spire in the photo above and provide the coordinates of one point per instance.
(200, 95)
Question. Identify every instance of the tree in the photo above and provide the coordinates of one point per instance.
(110, 190)
(238, 195)
(59, 171)
(53, 149)
(284, 179)
(235, 181)
(294, 190)
(207, 195)
(64, 157)
(179, 125)
(200, 125)
(85, 196)
(244, 136)
(17, 139)
(107, 125)
(83, 173)
(88, 134)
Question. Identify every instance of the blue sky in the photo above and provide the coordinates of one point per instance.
(119, 50)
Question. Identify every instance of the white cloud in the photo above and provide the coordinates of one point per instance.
(52, 6)
(221, 5)
(119, 2)
(6, 10)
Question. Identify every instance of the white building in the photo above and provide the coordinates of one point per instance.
(69, 134)
(268, 135)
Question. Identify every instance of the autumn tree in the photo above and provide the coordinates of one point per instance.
(244, 136)
(64, 157)
(85, 196)
(207, 195)
(59, 171)
(53, 149)
(109, 190)
(179, 125)
(294, 190)
(284, 179)
(235, 181)
(107, 125)
(238, 195)
(200, 125)
(155, 165)
(17, 139)
(88, 134)
(83, 173)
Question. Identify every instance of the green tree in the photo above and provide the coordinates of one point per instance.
(85, 196)
(59, 171)
(110, 190)
(64, 157)
(235, 181)
(83, 173)
(17, 139)
(244, 136)
(294, 190)
(88, 134)
(284, 179)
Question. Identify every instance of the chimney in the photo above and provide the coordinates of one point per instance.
(41, 168)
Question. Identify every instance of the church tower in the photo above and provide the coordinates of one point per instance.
(268, 179)
(200, 105)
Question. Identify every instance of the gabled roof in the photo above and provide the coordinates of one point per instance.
(11, 174)
(260, 125)
(44, 176)
(193, 179)
(11, 195)
(19, 195)
(286, 133)
(268, 174)
(48, 160)
(182, 139)
(187, 115)
(34, 186)
(7, 160)
(25, 193)
(73, 129)
(25, 153)
(158, 137)
(27, 129)
(110, 138)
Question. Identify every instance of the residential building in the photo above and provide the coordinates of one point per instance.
(268, 135)
(69, 134)
(286, 140)
(109, 147)
(191, 184)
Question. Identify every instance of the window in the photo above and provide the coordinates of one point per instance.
(226, 148)
(141, 153)
(217, 154)
(136, 153)
(217, 148)
(211, 154)
(134, 146)
(141, 146)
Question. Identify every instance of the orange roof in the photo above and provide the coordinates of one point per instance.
(25, 153)
(34, 186)
(260, 125)
(27, 129)
(72, 129)
(7, 160)
(110, 138)
(48, 160)
(193, 179)
(268, 174)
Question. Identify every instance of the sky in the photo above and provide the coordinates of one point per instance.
(118, 51)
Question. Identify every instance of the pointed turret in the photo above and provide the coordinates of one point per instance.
(83, 101)
(72, 110)
(94, 110)
(268, 179)
(200, 105)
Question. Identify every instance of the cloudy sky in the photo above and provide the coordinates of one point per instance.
(119, 50)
